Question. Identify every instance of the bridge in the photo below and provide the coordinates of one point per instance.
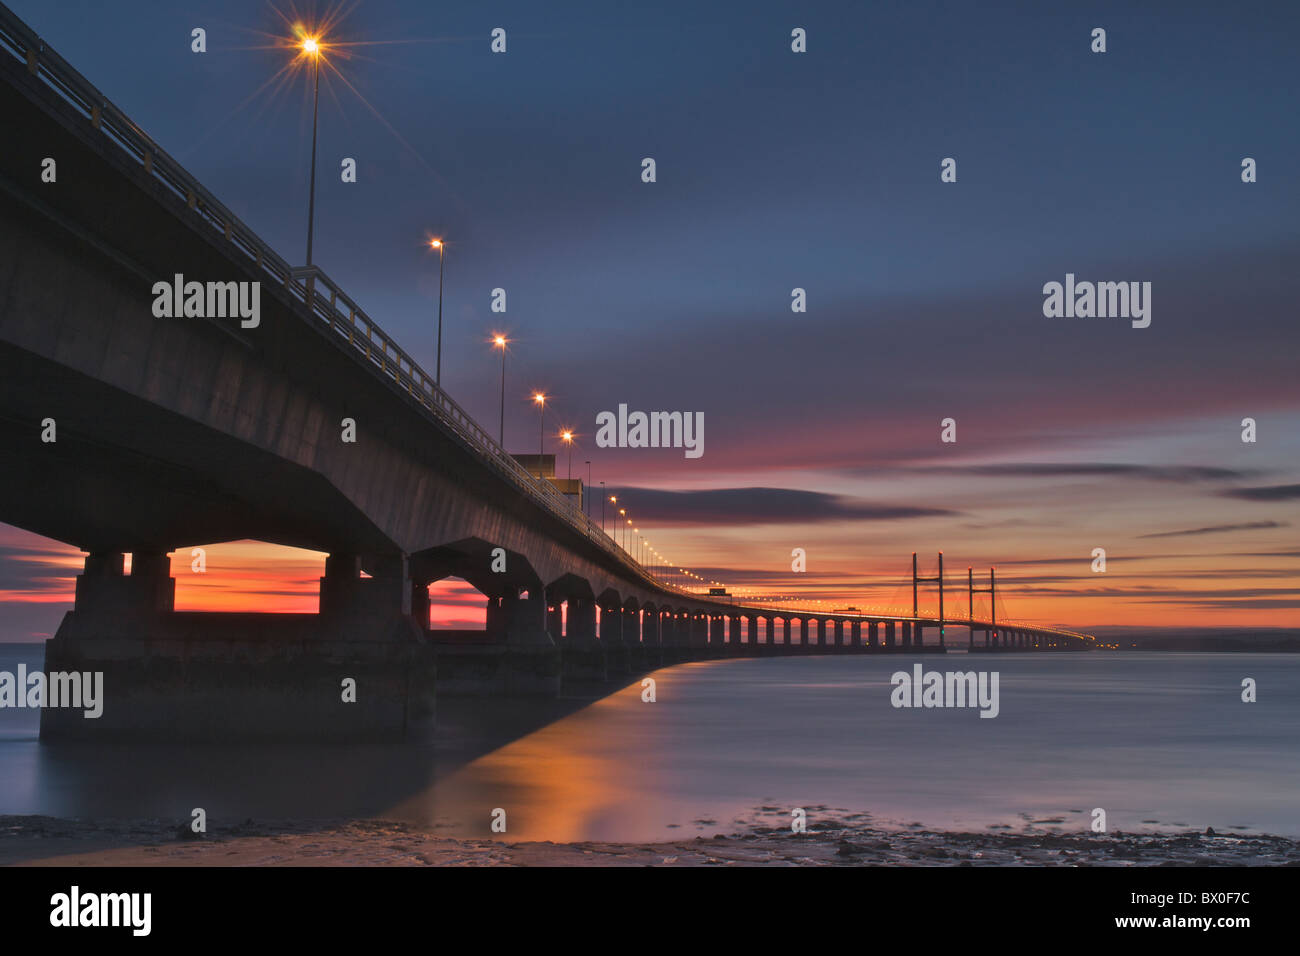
(131, 434)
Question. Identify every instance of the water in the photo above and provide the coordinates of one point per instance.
(1160, 741)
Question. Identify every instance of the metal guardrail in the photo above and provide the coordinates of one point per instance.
(323, 298)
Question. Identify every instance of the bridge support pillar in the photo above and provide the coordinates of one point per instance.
(889, 635)
(907, 634)
(420, 606)
(717, 625)
(650, 628)
(196, 676)
(555, 621)
(346, 596)
(918, 635)
(873, 633)
(769, 630)
(103, 587)
(613, 639)
(582, 654)
(855, 635)
(699, 629)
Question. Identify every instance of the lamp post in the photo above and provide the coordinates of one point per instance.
(567, 437)
(623, 514)
(499, 341)
(602, 506)
(442, 250)
(311, 47)
(540, 399)
(586, 494)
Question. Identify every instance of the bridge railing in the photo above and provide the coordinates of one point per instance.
(321, 295)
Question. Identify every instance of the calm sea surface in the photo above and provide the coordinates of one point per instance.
(1160, 741)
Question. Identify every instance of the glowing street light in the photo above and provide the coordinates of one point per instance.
(311, 47)
(540, 399)
(499, 341)
(566, 436)
(442, 258)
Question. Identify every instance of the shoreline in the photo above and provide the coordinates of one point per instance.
(49, 841)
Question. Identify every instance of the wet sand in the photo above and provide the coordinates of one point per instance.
(46, 841)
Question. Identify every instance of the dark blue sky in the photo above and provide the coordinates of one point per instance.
(778, 170)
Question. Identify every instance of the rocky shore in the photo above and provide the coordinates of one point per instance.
(47, 841)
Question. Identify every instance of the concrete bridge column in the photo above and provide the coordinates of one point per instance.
(525, 618)
(907, 634)
(103, 588)
(583, 655)
(354, 608)
(873, 633)
(650, 628)
(611, 625)
(918, 634)
(855, 635)
(612, 636)
(582, 621)
(889, 634)
(699, 629)
(733, 628)
(420, 605)
(673, 634)
(803, 631)
(821, 632)
(769, 630)
(717, 625)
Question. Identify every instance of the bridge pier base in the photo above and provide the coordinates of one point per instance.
(582, 656)
(359, 670)
(611, 639)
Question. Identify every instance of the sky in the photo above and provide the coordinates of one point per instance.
(778, 170)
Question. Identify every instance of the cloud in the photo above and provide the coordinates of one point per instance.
(751, 506)
(1265, 493)
(1217, 529)
(1182, 474)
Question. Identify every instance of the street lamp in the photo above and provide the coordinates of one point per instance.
(602, 506)
(442, 255)
(586, 493)
(623, 513)
(499, 341)
(540, 399)
(311, 47)
(566, 436)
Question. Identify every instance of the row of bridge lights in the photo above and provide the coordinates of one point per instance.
(313, 48)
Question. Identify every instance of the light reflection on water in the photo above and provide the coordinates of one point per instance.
(1147, 736)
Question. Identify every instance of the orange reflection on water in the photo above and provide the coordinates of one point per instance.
(569, 781)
